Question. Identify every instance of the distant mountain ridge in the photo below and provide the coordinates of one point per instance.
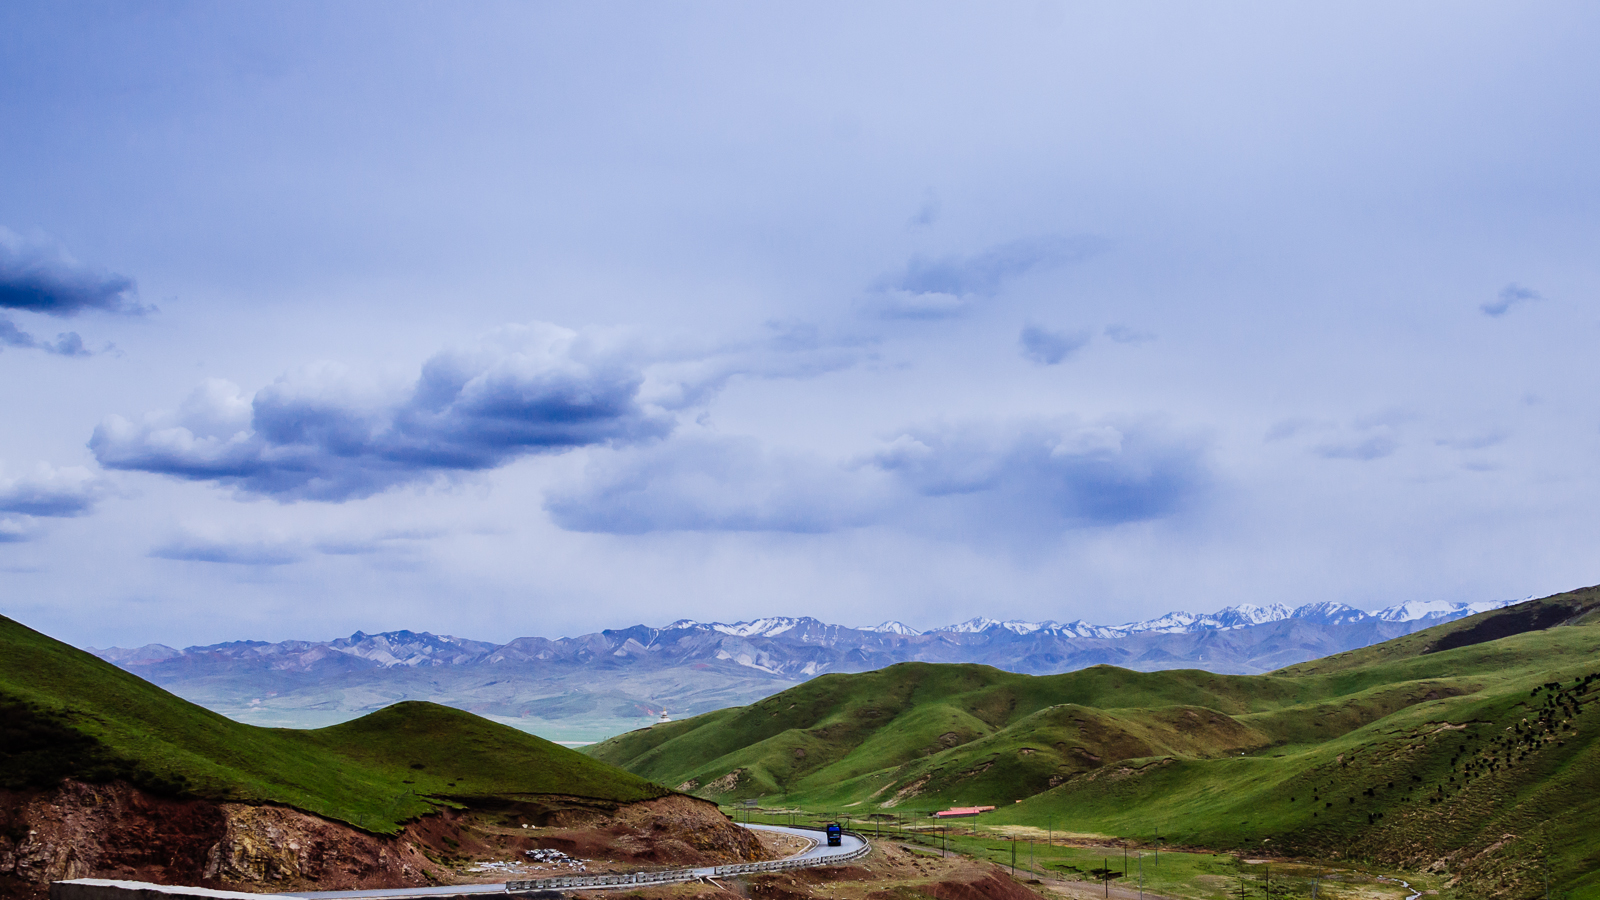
(616, 679)
(413, 648)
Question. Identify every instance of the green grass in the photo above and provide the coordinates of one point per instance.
(1439, 745)
(64, 713)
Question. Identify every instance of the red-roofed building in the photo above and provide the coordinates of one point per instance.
(960, 812)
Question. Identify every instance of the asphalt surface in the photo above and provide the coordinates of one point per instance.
(818, 850)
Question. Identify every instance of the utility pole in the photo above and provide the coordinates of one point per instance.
(1105, 866)
(1158, 847)
(1141, 876)
(1014, 858)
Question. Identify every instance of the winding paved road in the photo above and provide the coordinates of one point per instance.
(819, 850)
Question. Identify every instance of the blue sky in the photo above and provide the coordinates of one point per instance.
(509, 319)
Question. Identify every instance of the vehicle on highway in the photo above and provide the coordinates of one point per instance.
(835, 835)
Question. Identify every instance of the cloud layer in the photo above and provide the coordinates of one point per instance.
(320, 435)
(936, 288)
(1048, 348)
(1510, 295)
(68, 343)
(997, 477)
(711, 483)
(40, 276)
(50, 492)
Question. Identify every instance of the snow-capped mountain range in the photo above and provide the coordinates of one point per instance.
(1240, 616)
(690, 666)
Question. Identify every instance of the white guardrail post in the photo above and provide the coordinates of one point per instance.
(671, 875)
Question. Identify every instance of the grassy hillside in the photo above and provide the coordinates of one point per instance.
(64, 713)
(1470, 746)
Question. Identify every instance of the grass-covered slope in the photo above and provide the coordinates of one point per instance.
(64, 713)
(1471, 746)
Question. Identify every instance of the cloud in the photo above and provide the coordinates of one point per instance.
(1375, 446)
(689, 375)
(67, 343)
(270, 549)
(1365, 438)
(928, 212)
(988, 477)
(1048, 348)
(1510, 295)
(1061, 474)
(1480, 440)
(50, 492)
(944, 287)
(1288, 428)
(715, 483)
(320, 434)
(249, 553)
(1123, 334)
(38, 275)
(16, 529)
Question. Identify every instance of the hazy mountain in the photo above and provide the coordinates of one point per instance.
(595, 685)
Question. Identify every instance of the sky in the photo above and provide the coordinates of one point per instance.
(506, 319)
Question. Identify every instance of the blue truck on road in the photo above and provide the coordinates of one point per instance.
(835, 835)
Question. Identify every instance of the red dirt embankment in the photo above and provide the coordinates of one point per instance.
(79, 830)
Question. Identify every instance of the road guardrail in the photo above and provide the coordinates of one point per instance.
(674, 876)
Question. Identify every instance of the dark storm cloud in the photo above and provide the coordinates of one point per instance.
(990, 478)
(1047, 347)
(937, 288)
(1510, 295)
(315, 436)
(39, 276)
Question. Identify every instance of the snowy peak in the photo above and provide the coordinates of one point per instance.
(1019, 627)
(976, 625)
(1431, 610)
(1248, 614)
(1171, 623)
(768, 627)
(411, 648)
(1329, 613)
(891, 627)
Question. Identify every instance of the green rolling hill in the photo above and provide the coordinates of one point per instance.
(64, 713)
(1469, 747)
